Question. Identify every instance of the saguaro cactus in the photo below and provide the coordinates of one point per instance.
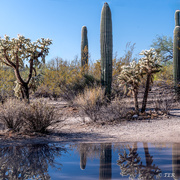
(84, 47)
(106, 48)
(176, 52)
(83, 155)
(105, 168)
(176, 160)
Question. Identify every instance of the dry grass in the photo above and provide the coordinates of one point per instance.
(164, 99)
(91, 102)
(34, 117)
(39, 116)
(12, 114)
(43, 91)
(118, 109)
(94, 104)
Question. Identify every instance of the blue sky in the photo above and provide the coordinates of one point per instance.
(136, 21)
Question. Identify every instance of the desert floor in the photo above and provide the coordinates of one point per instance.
(73, 129)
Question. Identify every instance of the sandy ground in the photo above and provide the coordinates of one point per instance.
(75, 130)
(164, 130)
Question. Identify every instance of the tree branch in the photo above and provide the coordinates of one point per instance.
(30, 71)
(31, 66)
(7, 59)
(17, 70)
(35, 71)
(5, 63)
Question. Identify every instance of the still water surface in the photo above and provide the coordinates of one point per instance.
(90, 161)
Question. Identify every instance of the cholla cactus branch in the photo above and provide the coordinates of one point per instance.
(130, 75)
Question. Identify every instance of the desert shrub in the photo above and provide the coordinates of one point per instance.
(39, 116)
(43, 92)
(90, 80)
(95, 69)
(96, 106)
(164, 99)
(34, 117)
(166, 74)
(12, 114)
(116, 90)
(91, 102)
(7, 79)
(117, 109)
(66, 79)
(59, 75)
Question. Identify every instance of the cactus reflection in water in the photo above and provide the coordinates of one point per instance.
(131, 164)
(30, 162)
(105, 169)
(176, 160)
(83, 155)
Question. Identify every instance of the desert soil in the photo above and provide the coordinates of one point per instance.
(73, 129)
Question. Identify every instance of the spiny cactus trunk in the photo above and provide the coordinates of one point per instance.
(147, 155)
(148, 80)
(176, 53)
(25, 92)
(176, 160)
(106, 48)
(84, 48)
(83, 156)
(105, 169)
(135, 94)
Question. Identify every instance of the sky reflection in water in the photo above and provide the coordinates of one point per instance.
(90, 161)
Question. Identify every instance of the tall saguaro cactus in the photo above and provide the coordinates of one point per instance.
(106, 48)
(176, 52)
(84, 47)
(105, 168)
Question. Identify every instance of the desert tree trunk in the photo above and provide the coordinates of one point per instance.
(25, 92)
(24, 84)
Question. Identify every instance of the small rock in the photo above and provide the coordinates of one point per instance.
(135, 116)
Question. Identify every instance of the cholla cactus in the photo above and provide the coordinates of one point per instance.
(131, 76)
(149, 65)
(17, 52)
(131, 165)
